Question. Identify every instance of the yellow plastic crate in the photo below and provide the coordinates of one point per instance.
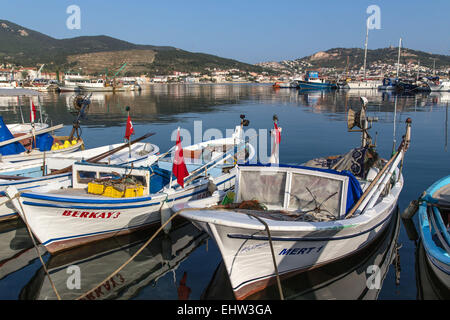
(140, 191)
(134, 192)
(113, 192)
(95, 188)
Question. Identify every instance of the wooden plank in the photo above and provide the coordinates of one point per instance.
(29, 135)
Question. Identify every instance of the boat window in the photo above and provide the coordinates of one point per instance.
(109, 175)
(85, 177)
(266, 187)
(309, 192)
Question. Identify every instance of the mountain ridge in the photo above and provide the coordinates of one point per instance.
(27, 47)
(337, 58)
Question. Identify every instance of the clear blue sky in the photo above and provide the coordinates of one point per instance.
(249, 31)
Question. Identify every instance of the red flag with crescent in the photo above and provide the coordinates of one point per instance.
(32, 112)
(278, 134)
(129, 129)
(179, 167)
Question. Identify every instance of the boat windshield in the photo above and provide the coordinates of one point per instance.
(298, 189)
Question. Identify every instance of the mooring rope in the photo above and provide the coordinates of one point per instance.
(131, 258)
(17, 196)
(280, 290)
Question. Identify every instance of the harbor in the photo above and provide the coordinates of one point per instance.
(184, 261)
(224, 160)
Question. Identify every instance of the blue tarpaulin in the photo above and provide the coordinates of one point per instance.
(5, 134)
(44, 142)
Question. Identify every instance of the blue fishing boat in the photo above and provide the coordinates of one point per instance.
(389, 84)
(312, 81)
(434, 214)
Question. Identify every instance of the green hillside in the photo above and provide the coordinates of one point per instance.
(25, 47)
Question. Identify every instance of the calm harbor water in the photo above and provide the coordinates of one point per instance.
(314, 124)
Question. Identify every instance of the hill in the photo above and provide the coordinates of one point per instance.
(26, 47)
(337, 58)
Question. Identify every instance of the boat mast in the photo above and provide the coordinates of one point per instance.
(418, 70)
(365, 48)
(398, 60)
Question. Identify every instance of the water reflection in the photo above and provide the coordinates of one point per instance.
(314, 124)
(163, 102)
(16, 248)
(428, 285)
(164, 255)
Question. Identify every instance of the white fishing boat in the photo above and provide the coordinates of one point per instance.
(286, 85)
(96, 85)
(8, 84)
(439, 85)
(362, 84)
(40, 143)
(108, 200)
(23, 128)
(43, 176)
(35, 145)
(72, 82)
(288, 219)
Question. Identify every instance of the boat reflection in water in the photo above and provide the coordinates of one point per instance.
(429, 287)
(96, 262)
(347, 279)
(16, 248)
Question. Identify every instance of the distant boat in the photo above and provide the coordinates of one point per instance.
(8, 84)
(312, 81)
(96, 85)
(389, 84)
(362, 84)
(434, 228)
(406, 86)
(439, 85)
(286, 84)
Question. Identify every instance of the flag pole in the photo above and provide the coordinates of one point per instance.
(33, 143)
(129, 144)
(173, 159)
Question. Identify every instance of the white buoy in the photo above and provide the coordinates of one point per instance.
(166, 213)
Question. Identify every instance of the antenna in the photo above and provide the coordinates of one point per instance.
(394, 141)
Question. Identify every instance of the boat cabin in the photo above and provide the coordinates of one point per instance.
(94, 179)
(298, 189)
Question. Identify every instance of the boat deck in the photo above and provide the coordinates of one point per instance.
(443, 194)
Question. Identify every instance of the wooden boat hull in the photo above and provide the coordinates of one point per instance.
(62, 221)
(53, 182)
(298, 246)
(36, 154)
(371, 84)
(438, 258)
(316, 85)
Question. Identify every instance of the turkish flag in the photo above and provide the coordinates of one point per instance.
(32, 112)
(278, 134)
(179, 167)
(183, 290)
(129, 130)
